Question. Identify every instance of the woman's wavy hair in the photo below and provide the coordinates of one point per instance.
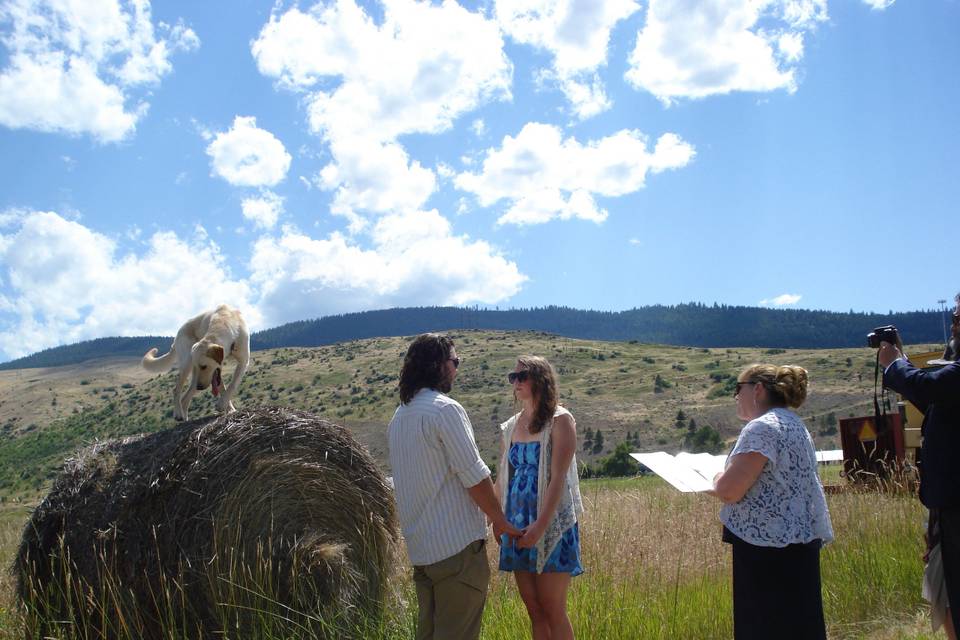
(543, 386)
(786, 385)
(423, 366)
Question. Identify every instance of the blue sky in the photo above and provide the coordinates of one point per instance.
(298, 160)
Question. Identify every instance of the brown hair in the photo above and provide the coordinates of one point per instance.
(787, 385)
(423, 366)
(543, 386)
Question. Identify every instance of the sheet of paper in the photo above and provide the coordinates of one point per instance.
(831, 455)
(674, 471)
(706, 464)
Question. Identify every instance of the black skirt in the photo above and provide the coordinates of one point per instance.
(776, 591)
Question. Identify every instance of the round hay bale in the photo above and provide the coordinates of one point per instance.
(267, 521)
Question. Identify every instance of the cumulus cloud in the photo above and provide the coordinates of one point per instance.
(373, 176)
(366, 84)
(247, 156)
(64, 282)
(68, 283)
(879, 5)
(576, 33)
(781, 300)
(694, 49)
(544, 176)
(263, 210)
(415, 259)
(74, 67)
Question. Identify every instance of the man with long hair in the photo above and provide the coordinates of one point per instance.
(443, 489)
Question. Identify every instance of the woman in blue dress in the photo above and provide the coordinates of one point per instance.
(540, 494)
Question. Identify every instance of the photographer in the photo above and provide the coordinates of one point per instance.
(937, 395)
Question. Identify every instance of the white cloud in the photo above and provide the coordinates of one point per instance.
(636, 242)
(576, 33)
(69, 283)
(879, 5)
(366, 84)
(415, 260)
(64, 282)
(373, 176)
(263, 211)
(782, 299)
(479, 127)
(445, 171)
(248, 156)
(694, 49)
(72, 67)
(544, 176)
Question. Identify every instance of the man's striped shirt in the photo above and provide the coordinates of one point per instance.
(434, 459)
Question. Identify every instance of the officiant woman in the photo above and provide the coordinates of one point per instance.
(775, 513)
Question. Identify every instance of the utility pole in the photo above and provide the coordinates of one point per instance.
(943, 316)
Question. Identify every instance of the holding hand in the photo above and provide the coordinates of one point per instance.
(503, 527)
(532, 534)
(888, 353)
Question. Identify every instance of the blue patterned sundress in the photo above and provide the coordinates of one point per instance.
(521, 511)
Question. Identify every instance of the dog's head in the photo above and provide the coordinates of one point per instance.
(207, 359)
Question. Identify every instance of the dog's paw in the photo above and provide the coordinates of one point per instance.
(225, 407)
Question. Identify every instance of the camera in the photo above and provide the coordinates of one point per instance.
(882, 334)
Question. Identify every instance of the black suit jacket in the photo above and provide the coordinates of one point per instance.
(937, 394)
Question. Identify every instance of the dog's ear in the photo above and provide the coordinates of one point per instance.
(215, 351)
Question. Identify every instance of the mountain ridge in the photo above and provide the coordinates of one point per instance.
(688, 324)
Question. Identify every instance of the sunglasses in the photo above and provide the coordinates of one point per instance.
(456, 362)
(736, 391)
(518, 376)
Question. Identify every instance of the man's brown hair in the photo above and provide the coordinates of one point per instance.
(424, 366)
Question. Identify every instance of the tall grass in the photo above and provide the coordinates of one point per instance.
(655, 568)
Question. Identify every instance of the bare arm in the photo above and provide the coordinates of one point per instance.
(564, 443)
(485, 496)
(731, 485)
(496, 489)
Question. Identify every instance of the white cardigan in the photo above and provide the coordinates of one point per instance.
(571, 504)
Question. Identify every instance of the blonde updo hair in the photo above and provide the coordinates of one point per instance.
(786, 385)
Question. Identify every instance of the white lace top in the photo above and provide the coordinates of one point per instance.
(786, 504)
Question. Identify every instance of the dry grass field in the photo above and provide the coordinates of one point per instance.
(656, 569)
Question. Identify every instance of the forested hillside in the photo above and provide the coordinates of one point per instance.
(693, 325)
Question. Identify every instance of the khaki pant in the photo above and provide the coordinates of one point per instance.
(451, 594)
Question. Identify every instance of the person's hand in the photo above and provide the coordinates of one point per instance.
(503, 527)
(532, 535)
(888, 353)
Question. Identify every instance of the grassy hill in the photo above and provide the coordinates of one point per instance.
(47, 414)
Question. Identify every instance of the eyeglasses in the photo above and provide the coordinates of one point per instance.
(736, 391)
(518, 376)
(456, 362)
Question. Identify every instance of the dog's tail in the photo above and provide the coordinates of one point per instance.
(151, 362)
